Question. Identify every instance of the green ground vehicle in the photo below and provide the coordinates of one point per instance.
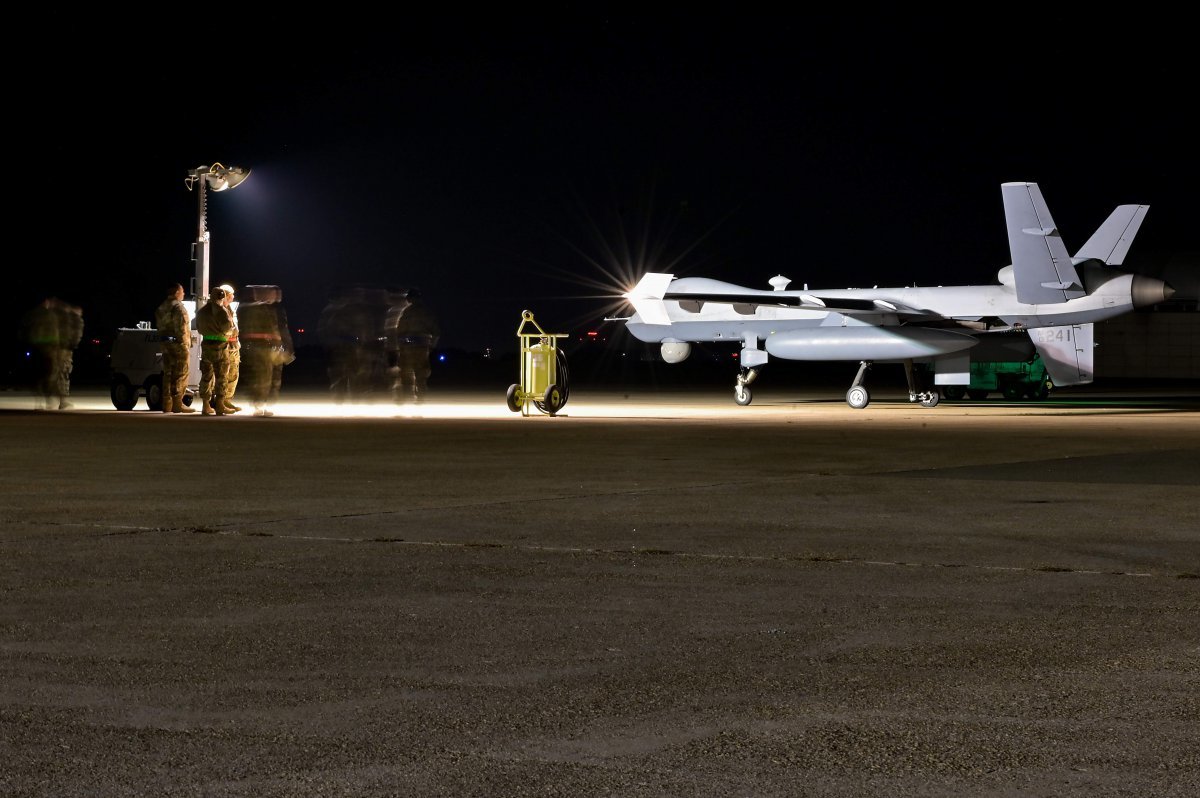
(1014, 379)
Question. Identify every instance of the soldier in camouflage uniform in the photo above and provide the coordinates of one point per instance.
(415, 333)
(70, 333)
(53, 329)
(235, 352)
(174, 331)
(214, 322)
(39, 329)
(267, 344)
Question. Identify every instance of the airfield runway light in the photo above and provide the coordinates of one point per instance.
(218, 177)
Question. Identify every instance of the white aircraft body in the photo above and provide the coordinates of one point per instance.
(1053, 296)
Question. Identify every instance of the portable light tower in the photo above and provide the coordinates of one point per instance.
(218, 177)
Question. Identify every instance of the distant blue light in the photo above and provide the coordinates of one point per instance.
(442, 358)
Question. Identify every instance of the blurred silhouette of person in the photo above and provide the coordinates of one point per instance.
(53, 329)
(397, 301)
(174, 331)
(373, 379)
(70, 334)
(344, 329)
(266, 344)
(235, 351)
(214, 322)
(416, 333)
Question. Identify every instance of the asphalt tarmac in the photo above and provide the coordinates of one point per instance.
(651, 594)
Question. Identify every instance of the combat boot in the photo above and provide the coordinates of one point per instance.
(180, 407)
(206, 408)
(168, 404)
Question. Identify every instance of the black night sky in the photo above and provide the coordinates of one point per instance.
(533, 163)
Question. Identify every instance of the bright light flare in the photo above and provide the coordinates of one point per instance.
(634, 240)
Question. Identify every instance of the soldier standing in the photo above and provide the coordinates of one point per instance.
(214, 322)
(174, 330)
(70, 333)
(344, 329)
(416, 332)
(268, 345)
(235, 352)
(40, 330)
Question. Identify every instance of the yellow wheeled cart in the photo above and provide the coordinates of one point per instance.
(543, 370)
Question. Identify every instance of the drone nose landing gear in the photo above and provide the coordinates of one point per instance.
(741, 392)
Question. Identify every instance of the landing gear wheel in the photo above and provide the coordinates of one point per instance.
(188, 399)
(123, 395)
(513, 398)
(954, 392)
(552, 400)
(929, 399)
(742, 395)
(858, 397)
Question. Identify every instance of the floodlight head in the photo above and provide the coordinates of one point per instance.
(218, 177)
(221, 177)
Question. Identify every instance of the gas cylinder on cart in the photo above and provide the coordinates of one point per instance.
(540, 362)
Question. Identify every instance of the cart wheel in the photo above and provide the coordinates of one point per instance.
(514, 401)
(124, 396)
(552, 400)
(954, 392)
(153, 389)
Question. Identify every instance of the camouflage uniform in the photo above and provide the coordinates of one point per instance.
(415, 334)
(174, 330)
(40, 329)
(214, 322)
(267, 346)
(70, 333)
(345, 330)
(234, 372)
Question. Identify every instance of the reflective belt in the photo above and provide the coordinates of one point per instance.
(215, 338)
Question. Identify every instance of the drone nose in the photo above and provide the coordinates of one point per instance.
(1149, 291)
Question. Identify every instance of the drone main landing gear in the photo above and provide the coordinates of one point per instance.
(925, 398)
(858, 396)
